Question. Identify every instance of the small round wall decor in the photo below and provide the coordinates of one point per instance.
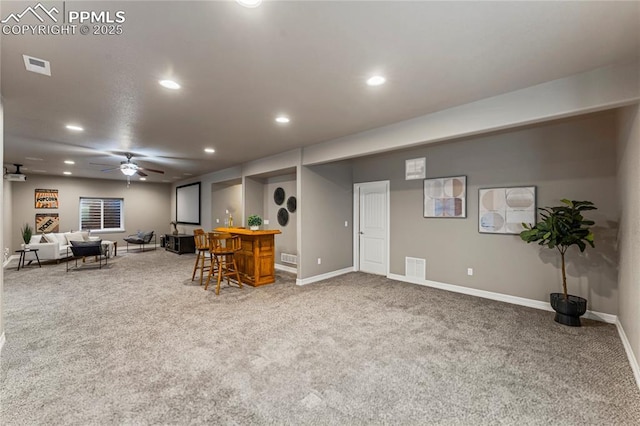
(283, 217)
(278, 196)
(292, 204)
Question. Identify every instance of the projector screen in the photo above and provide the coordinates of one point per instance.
(188, 204)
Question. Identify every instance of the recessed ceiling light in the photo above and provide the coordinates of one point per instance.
(250, 3)
(74, 127)
(376, 80)
(169, 84)
(282, 119)
(209, 150)
(143, 178)
(66, 173)
(69, 162)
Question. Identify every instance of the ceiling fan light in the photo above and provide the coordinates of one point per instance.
(128, 169)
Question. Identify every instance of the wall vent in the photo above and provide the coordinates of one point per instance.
(289, 258)
(37, 65)
(415, 268)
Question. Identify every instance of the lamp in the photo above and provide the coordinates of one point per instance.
(128, 169)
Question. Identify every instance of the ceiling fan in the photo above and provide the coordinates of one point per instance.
(129, 168)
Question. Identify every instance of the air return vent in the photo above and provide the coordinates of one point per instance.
(37, 65)
(289, 258)
(415, 268)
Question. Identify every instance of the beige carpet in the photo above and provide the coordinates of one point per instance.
(139, 343)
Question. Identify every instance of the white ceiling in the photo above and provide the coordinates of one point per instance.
(240, 67)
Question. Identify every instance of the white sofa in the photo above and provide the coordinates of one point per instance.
(53, 246)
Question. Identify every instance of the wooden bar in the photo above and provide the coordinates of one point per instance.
(257, 256)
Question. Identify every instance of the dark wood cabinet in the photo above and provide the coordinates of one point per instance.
(181, 243)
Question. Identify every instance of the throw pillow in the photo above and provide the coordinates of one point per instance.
(146, 237)
(51, 238)
(78, 243)
(74, 236)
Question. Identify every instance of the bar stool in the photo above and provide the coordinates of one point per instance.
(204, 259)
(223, 248)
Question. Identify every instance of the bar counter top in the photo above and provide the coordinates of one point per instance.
(245, 231)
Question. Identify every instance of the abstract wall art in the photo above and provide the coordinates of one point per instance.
(503, 210)
(445, 197)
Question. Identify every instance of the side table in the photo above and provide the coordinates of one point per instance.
(23, 256)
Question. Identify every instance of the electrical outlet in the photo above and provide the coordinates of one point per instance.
(346, 223)
(266, 221)
(319, 261)
(217, 220)
(470, 271)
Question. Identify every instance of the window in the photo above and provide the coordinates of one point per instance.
(102, 214)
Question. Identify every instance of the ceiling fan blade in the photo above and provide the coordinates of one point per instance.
(102, 164)
(141, 173)
(110, 169)
(152, 170)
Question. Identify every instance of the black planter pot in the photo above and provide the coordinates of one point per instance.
(568, 311)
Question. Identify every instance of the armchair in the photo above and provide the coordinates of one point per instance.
(142, 239)
(83, 249)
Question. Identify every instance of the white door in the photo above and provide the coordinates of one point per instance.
(373, 230)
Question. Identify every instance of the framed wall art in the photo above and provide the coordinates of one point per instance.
(47, 222)
(445, 197)
(46, 199)
(503, 210)
(416, 168)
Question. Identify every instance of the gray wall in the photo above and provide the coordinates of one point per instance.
(3, 230)
(287, 241)
(226, 197)
(146, 205)
(325, 203)
(253, 198)
(564, 159)
(629, 240)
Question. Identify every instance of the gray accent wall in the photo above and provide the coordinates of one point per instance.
(325, 203)
(629, 234)
(146, 205)
(570, 158)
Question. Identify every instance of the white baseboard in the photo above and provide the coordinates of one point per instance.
(12, 257)
(537, 304)
(635, 367)
(326, 276)
(286, 268)
(2, 340)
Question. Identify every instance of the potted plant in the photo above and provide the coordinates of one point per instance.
(27, 232)
(562, 227)
(175, 227)
(254, 222)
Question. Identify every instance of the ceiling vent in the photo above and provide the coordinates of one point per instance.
(37, 65)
